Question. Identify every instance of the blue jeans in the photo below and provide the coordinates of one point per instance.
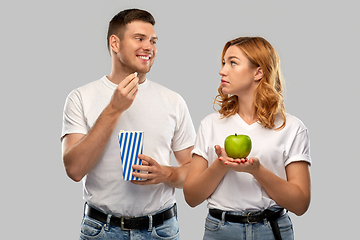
(93, 229)
(216, 229)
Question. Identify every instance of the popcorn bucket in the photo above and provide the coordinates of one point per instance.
(131, 145)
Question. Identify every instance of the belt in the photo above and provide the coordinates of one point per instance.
(131, 223)
(248, 218)
(255, 217)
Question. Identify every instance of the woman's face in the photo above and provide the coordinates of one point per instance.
(237, 75)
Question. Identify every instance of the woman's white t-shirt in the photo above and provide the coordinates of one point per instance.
(239, 191)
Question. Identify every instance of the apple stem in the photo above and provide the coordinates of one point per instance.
(235, 134)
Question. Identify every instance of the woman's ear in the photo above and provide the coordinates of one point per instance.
(259, 74)
(114, 43)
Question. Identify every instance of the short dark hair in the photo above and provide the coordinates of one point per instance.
(119, 21)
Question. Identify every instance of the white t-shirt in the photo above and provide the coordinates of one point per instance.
(275, 149)
(163, 116)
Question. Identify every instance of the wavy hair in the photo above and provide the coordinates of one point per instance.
(269, 100)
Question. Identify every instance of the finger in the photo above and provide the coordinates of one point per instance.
(148, 159)
(132, 87)
(129, 91)
(144, 176)
(145, 163)
(243, 160)
(229, 159)
(144, 168)
(132, 93)
(129, 85)
(132, 78)
(231, 164)
(217, 150)
(141, 182)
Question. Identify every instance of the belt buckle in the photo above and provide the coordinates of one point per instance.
(122, 223)
(248, 216)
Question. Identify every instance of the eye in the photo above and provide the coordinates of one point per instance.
(232, 63)
(223, 63)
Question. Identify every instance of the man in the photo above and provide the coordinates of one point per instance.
(93, 116)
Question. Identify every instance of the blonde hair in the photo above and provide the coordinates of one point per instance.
(269, 100)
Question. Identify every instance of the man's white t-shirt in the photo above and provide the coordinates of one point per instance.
(163, 116)
(275, 149)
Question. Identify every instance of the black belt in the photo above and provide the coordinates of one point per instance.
(255, 217)
(131, 223)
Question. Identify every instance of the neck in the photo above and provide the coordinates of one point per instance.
(247, 109)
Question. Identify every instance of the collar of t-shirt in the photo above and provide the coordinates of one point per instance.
(112, 85)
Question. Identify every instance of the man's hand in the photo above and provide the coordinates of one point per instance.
(125, 93)
(152, 171)
(81, 152)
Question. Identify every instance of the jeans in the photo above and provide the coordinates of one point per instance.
(216, 229)
(93, 229)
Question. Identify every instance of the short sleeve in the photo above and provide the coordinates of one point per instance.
(185, 134)
(73, 115)
(200, 143)
(300, 148)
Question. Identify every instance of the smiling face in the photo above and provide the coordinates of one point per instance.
(238, 76)
(136, 50)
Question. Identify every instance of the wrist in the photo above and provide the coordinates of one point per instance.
(112, 111)
(257, 170)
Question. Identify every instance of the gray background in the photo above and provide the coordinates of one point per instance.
(49, 48)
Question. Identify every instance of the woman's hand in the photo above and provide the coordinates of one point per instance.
(239, 165)
(250, 165)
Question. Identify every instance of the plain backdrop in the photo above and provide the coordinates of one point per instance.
(48, 48)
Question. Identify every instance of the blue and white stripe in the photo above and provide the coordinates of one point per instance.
(131, 145)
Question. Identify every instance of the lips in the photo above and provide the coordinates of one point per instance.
(223, 82)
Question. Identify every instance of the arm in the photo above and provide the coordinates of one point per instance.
(202, 180)
(293, 194)
(81, 152)
(172, 176)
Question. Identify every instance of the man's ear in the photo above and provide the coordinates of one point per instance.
(259, 74)
(114, 43)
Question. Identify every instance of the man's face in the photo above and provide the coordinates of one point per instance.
(138, 47)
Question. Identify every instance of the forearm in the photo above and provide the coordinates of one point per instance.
(176, 177)
(79, 158)
(289, 195)
(202, 181)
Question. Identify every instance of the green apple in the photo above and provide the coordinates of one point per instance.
(237, 146)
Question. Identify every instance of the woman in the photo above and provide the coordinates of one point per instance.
(247, 197)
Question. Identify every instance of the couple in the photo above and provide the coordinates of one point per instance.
(245, 196)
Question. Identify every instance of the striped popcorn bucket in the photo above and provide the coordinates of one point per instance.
(131, 145)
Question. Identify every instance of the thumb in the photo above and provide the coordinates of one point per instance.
(253, 160)
(217, 150)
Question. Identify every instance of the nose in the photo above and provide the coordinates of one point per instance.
(148, 46)
(222, 71)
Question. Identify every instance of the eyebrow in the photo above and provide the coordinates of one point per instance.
(231, 57)
(143, 35)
